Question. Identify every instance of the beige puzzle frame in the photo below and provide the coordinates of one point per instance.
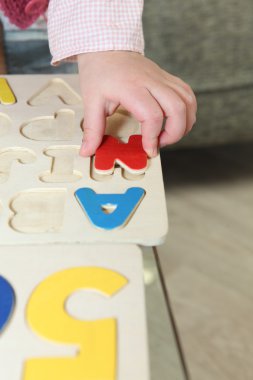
(22, 184)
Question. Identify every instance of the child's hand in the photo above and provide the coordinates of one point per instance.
(113, 78)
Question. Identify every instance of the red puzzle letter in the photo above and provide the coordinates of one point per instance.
(130, 156)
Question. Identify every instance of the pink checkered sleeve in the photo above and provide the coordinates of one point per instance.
(81, 26)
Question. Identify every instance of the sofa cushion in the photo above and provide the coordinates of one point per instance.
(207, 43)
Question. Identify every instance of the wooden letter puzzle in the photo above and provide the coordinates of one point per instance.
(72, 301)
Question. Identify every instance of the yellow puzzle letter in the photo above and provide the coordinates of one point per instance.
(97, 340)
(6, 94)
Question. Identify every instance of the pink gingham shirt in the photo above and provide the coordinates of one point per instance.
(81, 26)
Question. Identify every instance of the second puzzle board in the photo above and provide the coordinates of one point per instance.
(43, 178)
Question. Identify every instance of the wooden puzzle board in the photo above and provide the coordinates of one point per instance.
(27, 267)
(148, 226)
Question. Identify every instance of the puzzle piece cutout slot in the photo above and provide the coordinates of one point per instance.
(9, 155)
(57, 87)
(62, 167)
(7, 96)
(5, 124)
(38, 210)
(100, 177)
(63, 161)
(118, 171)
(130, 156)
(47, 317)
(121, 124)
(59, 127)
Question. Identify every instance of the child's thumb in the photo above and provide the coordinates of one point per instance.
(93, 129)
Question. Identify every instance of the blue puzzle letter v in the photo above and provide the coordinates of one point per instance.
(109, 211)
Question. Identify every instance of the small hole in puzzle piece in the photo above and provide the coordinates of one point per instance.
(7, 96)
(110, 211)
(57, 87)
(9, 155)
(63, 161)
(59, 127)
(38, 210)
(5, 124)
(109, 208)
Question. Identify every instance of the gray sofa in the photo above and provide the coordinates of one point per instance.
(207, 43)
(210, 45)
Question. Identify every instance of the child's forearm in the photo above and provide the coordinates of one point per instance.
(81, 26)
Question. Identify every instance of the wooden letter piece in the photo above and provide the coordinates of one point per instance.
(7, 302)
(56, 128)
(96, 356)
(8, 155)
(56, 87)
(109, 211)
(130, 156)
(38, 210)
(7, 96)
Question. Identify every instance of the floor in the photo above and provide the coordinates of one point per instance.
(207, 260)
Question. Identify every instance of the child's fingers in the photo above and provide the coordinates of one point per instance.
(191, 103)
(187, 94)
(93, 127)
(175, 110)
(180, 82)
(147, 111)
